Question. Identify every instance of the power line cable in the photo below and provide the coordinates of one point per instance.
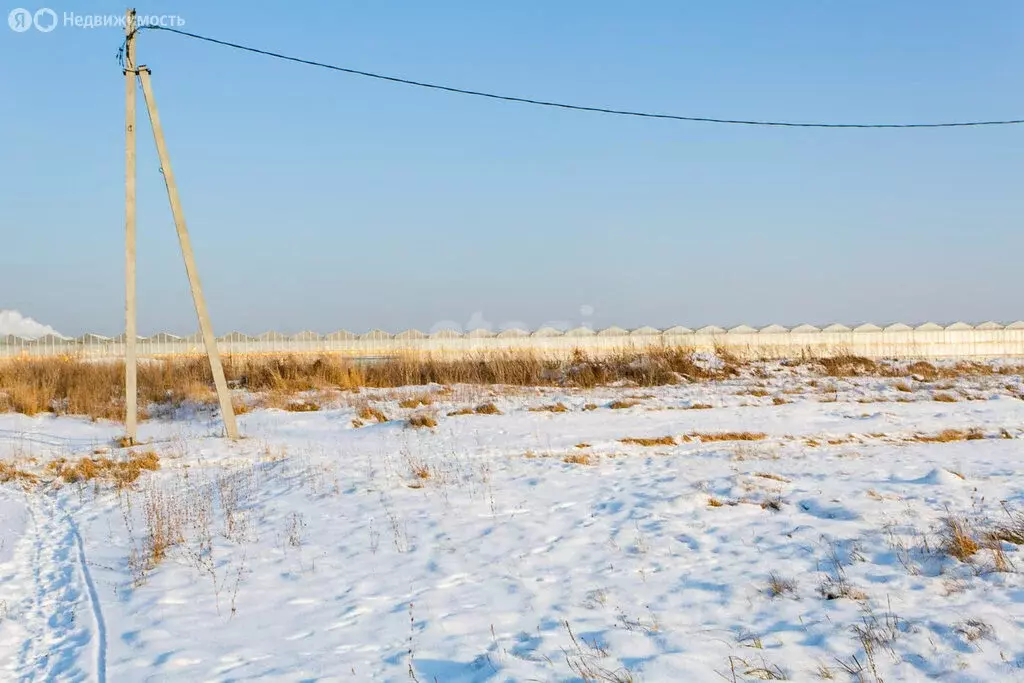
(562, 105)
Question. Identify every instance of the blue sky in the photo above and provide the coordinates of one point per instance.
(325, 201)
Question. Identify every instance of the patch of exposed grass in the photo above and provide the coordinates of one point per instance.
(416, 401)
(578, 459)
(551, 408)
(728, 436)
(368, 412)
(239, 406)
(302, 406)
(699, 406)
(10, 472)
(779, 586)
(948, 435)
(848, 365)
(974, 629)
(482, 409)
(944, 397)
(768, 475)
(924, 370)
(651, 441)
(959, 539)
(421, 421)
(121, 473)
(420, 470)
(1010, 531)
(622, 405)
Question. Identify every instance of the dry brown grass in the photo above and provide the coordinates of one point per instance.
(583, 444)
(578, 459)
(769, 475)
(416, 401)
(699, 406)
(590, 406)
(96, 388)
(904, 387)
(848, 365)
(779, 401)
(652, 441)
(728, 436)
(63, 387)
(779, 586)
(420, 470)
(422, 420)
(302, 406)
(943, 397)
(81, 387)
(120, 473)
(368, 412)
(482, 409)
(622, 405)
(959, 539)
(1011, 531)
(10, 472)
(923, 369)
(551, 408)
(948, 435)
(714, 502)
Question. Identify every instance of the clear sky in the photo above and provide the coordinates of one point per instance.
(318, 200)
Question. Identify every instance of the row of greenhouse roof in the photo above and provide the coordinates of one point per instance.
(344, 335)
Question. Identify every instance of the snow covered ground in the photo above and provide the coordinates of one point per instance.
(531, 545)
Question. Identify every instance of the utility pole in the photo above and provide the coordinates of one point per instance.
(131, 394)
(226, 410)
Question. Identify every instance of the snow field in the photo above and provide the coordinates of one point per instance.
(497, 547)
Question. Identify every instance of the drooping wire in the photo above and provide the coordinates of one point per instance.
(562, 105)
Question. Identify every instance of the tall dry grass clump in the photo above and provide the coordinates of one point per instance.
(848, 365)
(62, 386)
(96, 388)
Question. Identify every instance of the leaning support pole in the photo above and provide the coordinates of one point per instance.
(131, 394)
(227, 412)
